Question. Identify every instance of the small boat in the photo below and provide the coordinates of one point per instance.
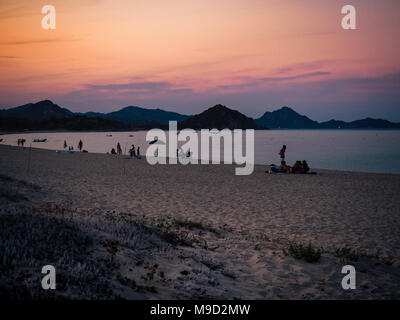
(131, 135)
(109, 135)
(39, 140)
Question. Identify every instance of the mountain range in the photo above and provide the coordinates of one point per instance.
(41, 110)
(133, 115)
(287, 118)
(46, 115)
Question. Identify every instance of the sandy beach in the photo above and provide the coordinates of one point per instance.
(192, 232)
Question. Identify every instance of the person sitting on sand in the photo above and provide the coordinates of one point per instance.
(297, 167)
(282, 153)
(304, 167)
(284, 168)
(113, 151)
(273, 169)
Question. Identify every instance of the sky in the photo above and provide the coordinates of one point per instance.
(185, 56)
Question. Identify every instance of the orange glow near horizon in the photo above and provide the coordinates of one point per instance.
(201, 46)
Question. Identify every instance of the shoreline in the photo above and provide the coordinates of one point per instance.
(255, 165)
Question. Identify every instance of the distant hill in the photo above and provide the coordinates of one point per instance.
(285, 118)
(74, 123)
(333, 124)
(370, 123)
(367, 123)
(140, 116)
(42, 110)
(219, 117)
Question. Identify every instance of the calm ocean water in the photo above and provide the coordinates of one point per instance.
(353, 150)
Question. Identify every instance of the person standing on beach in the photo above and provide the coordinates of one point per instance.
(119, 150)
(282, 153)
(80, 145)
(138, 153)
(65, 144)
(132, 152)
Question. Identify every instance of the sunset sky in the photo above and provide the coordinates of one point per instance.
(184, 56)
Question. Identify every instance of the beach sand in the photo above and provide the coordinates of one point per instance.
(193, 232)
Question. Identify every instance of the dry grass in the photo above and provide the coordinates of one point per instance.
(83, 247)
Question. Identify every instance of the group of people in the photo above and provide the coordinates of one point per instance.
(71, 148)
(21, 142)
(298, 166)
(133, 152)
(119, 150)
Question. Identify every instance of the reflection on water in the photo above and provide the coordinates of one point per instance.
(354, 150)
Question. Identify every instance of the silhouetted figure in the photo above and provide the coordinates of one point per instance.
(138, 153)
(132, 152)
(304, 167)
(80, 145)
(297, 167)
(119, 150)
(113, 151)
(284, 168)
(282, 153)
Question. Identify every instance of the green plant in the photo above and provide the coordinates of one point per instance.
(174, 238)
(302, 252)
(347, 253)
(195, 225)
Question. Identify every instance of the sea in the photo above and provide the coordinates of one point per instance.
(349, 150)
